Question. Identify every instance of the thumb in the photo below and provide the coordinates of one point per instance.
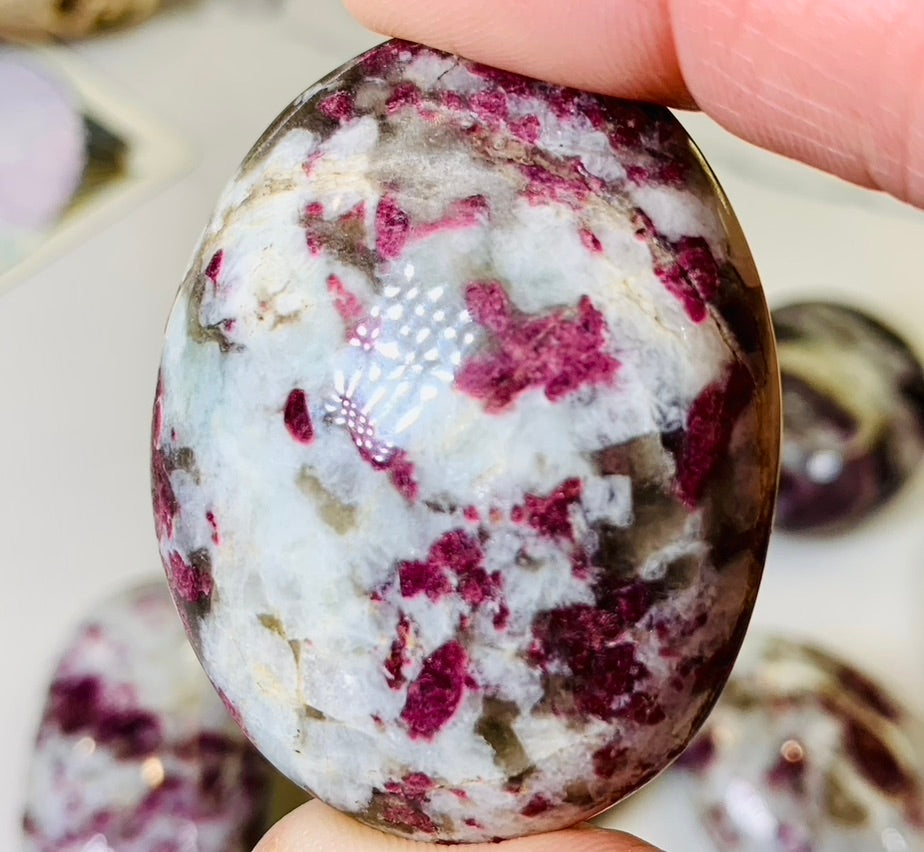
(315, 827)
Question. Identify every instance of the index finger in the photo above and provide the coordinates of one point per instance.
(834, 83)
(319, 828)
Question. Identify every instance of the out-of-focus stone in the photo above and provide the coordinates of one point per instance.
(136, 751)
(70, 19)
(853, 415)
(44, 145)
(804, 753)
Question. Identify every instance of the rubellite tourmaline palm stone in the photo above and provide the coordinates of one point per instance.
(853, 415)
(804, 753)
(135, 751)
(465, 445)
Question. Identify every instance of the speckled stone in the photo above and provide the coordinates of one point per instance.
(853, 415)
(465, 445)
(804, 753)
(135, 751)
(69, 19)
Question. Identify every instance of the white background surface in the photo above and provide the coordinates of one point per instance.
(80, 341)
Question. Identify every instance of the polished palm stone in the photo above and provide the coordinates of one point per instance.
(465, 445)
(135, 751)
(853, 415)
(804, 753)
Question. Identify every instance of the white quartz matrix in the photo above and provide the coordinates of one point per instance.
(464, 446)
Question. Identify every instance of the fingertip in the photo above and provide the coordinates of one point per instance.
(623, 49)
(829, 83)
(316, 827)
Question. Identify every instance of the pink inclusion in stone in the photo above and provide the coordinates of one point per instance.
(454, 552)
(695, 258)
(461, 214)
(338, 107)
(423, 578)
(347, 304)
(455, 565)
(416, 785)
(398, 657)
(216, 530)
(392, 228)
(538, 804)
(551, 516)
(407, 815)
(591, 241)
(559, 352)
(381, 60)
(404, 95)
(691, 276)
(215, 266)
(399, 467)
(166, 506)
(710, 423)
(401, 473)
(191, 585)
(490, 106)
(434, 697)
(297, 417)
(610, 759)
(403, 805)
(545, 186)
(591, 644)
(528, 129)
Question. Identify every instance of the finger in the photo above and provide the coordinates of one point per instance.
(315, 827)
(834, 83)
(614, 46)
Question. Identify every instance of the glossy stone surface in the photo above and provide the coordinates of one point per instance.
(465, 446)
(804, 753)
(853, 415)
(136, 751)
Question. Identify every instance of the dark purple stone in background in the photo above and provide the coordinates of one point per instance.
(853, 415)
(805, 753)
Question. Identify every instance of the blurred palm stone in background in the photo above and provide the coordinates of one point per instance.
(68, 19)
(136, 751)
(853, 415)
(804, 753)
(54, 154)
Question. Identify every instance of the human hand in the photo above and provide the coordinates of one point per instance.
(314, 827)
(834, 83)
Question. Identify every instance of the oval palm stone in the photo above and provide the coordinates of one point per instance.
(465, 445)
(805, 753)
(853, 415)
